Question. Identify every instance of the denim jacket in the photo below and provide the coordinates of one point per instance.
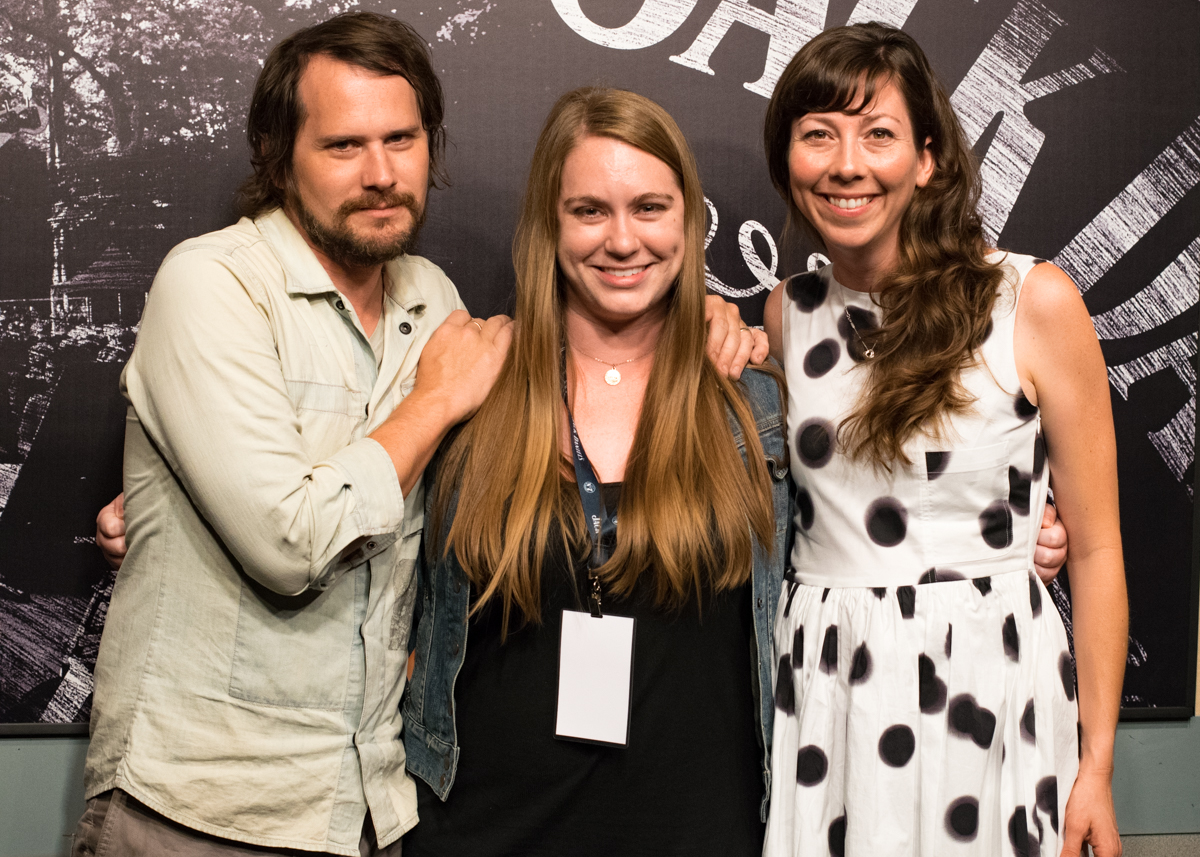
(440, 620)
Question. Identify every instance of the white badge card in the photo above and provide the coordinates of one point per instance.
(595, 671)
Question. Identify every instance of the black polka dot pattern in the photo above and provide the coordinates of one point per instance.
(1047, 799)
(887, 522)
(808, 290)
(935, 464)
(1018, 490)
(1029, 723)
(880, 592)
(1018, 833)
(865, 322)
(1037, 261)
(983, 584)
(792, 586)
(1039, 455)
(987, 331)
(837, 837)
(815, 440)
(939, 575)
(1012, 640)
(1035, 596)
(906, 597)
(996, 525)
(804, 507)
(824, 594)
(1066, 671)
(949, 640)
(971, 720)
(931, 688)
(785, 690)
(1024, 408)
(896, 745)
(811, 765)
(860, 665)
(829, 654)
(821, 358)
(798, 648)
(962, 819)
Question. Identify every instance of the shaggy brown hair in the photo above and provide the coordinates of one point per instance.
(937, 304)
(690, 508)
(375, 42)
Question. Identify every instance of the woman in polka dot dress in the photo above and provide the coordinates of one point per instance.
(925, 695)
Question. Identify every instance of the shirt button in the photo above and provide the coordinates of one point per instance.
(445, 763)
(760, 604)
(454, 651)
(371, 547)
(340, 305)
(458, 586)
(405, 328)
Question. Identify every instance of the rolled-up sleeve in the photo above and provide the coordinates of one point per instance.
(208, 385)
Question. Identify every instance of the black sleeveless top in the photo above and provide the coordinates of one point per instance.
(688, 783)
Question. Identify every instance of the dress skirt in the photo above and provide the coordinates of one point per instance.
(935, 720)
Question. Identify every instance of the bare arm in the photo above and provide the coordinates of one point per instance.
(773, 321)
(1062, 372)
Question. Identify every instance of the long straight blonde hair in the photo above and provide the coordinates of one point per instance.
(689, 507)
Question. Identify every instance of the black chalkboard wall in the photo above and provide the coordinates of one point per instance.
(121, 134)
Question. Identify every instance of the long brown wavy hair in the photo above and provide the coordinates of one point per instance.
(937, 305)
(689, 507)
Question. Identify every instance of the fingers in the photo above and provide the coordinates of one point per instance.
(721, 348)
(1051, 550)
(110, 531)
(762, 346)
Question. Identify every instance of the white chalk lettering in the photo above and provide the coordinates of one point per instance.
(1172, 293)
(763, 272)
(891, 12)
(656, 20)
(790, 26)
(1133, 212)
(1176, 441)
(993, 86)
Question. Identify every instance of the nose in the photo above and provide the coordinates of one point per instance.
(848, 160)
(377, 169)
(621, 239)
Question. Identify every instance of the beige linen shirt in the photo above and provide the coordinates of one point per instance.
(249, 677)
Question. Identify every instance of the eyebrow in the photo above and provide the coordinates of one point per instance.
(409, 130)
(652, 196)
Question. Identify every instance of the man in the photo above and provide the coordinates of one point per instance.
(289, 385)
(293, 375)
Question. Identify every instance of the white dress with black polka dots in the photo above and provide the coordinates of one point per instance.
(925, 698)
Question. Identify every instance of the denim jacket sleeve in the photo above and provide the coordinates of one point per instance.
(430, 738)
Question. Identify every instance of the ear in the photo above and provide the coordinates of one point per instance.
(926, 163)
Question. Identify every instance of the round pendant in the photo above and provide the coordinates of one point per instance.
(612, 377)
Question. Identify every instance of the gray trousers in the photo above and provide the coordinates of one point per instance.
(116, 825)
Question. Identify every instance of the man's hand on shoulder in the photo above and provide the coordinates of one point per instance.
(110, 531)
(458, 366)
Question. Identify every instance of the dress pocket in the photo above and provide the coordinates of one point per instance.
(964, 504)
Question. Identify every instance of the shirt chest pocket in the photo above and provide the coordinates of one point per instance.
(964, 504)
(328, 414)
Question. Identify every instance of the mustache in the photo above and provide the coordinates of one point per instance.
(380, 199)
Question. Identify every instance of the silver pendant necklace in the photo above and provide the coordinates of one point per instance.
(613, 376)
(868, 351)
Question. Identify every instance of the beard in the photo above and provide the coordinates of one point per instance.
(355, 249)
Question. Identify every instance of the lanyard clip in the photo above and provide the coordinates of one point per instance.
(594, 597)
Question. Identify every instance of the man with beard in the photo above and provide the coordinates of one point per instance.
(293, 374)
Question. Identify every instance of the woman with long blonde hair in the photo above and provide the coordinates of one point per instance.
(606, 387)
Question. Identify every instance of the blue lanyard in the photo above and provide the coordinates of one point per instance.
(601, 525)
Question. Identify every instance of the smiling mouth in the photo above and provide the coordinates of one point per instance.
(848, 204)
(624, 272)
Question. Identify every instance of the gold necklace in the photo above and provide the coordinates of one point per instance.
(613, 376)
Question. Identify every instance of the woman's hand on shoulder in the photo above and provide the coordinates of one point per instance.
(732, 344)
(1090, 816)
